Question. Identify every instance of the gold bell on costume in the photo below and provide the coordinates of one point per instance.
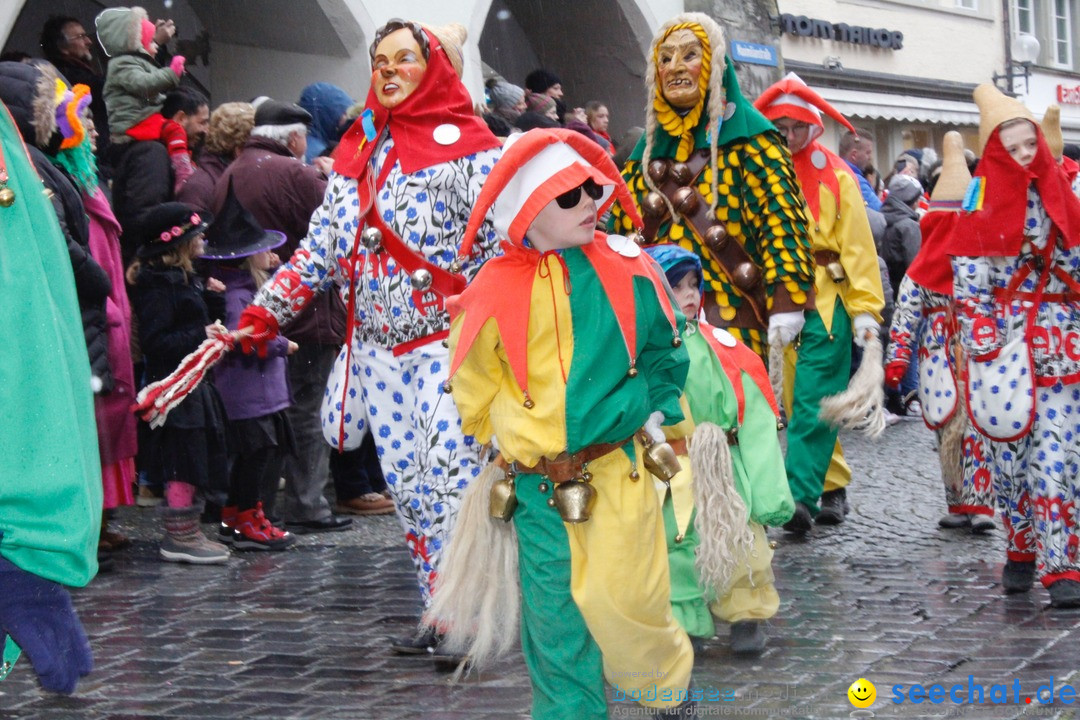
(836, 271)
(503, 498)
(7, 197)
(660, 458)
(574, 499)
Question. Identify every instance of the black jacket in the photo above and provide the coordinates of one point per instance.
(142, 178)
(902, 239)
(18, 84)
(173, 310)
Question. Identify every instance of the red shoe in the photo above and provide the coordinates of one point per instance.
(254, 532)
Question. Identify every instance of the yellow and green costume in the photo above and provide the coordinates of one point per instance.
(596, 595)
(751, 184)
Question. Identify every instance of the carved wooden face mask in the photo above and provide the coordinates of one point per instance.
(398, 68)
(678, 69)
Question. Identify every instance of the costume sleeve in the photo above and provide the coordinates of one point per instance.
(665, 366)
(476, 169)
(478, 379)
(974, 298)
(773, 206)
(762, 460)
(858, 255)
(907, 316)
(314, 264)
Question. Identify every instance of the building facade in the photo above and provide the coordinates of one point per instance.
(1055, 74)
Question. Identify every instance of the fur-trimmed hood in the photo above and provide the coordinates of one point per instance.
(29, 91)
(119, 30)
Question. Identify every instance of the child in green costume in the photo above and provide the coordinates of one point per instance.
(721, 562)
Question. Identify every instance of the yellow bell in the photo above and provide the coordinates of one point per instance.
(660, 458)
(836, 272)
(7, 197)
(575, 500)
(503, 499)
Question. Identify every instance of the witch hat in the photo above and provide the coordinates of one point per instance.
(236, 234)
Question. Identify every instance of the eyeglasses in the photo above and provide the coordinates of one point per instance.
(571, 198)
(74, 38)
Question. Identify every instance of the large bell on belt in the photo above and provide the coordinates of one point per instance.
(660, 458)
(371, 238)
(715, 238)
(745, 276)
(502, 501)
(682, 174)
(421, 280)
(653, 204)
(575, 500)
(658, 170)
(836, 271)
(685, 200)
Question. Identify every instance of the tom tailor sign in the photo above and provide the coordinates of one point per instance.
(841, 32)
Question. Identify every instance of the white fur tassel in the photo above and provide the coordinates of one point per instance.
(862, 406)
(722, 520)
(476, 600)
(776, 373)
(951, 448)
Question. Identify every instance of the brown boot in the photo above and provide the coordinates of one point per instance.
(185, 542)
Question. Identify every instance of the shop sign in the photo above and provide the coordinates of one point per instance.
(1068, 95)
(748, 52)
(841, 32)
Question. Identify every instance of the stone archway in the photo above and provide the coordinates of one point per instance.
(598, 55)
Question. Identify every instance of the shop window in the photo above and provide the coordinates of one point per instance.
(1062, 53)
(968, 4)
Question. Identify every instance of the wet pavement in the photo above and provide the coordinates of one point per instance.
(887, 596)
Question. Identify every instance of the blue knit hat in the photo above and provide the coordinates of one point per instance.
(676, 263)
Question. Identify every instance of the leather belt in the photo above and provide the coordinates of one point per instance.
(679, 446)
(824, 257)
(564, 466)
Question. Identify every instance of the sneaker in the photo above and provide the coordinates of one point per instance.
(748, 637)
(228, 525)
(913, 410)
(834, 507)
(891, 418)
(198, 550)
(148, 497)
(801, 521)
(1017, 576)
(372, 503)
(254, 532)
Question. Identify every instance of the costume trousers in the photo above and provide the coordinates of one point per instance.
(308, 472)
(816, 369)
(1039, 485)
(426, 459)
(595, 598)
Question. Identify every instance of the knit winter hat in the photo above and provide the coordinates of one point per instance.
(538, 81)
(503, 94)
(995, 107)
(538, 103)
(905, 188)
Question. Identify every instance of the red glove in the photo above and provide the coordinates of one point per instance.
(261, 327)
(894, 373)
(177, 65)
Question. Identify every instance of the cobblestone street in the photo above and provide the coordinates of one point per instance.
(303, 634)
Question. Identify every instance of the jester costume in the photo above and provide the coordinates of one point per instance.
(1016, 254)
(50, 492)
(718, 181)
(728, 387)
(848, 293)
(560, 357)
(924, 323)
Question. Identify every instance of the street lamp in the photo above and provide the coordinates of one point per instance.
(1024, 51)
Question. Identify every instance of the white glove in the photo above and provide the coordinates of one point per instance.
(785, 326)
(652, 427)
(862, 324)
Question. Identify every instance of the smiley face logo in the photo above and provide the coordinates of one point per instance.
(862, 693)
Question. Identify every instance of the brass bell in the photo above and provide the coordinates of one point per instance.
(685, 200)
(503, 499)
(371, 238)
(455, 266)
(658, 170)
(653, 204)
(660, 458)
(632, 372)
(529, 404)
(635, 475)
(676, 341)
(746, 276)
(574, 500)
(715, 238)
(446, 387)
(636, 238)
(7, 197)
(836, 271)
(682, 174)
(421, 280)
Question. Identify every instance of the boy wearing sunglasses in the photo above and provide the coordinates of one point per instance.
(562, 350)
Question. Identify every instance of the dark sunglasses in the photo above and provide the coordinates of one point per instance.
(571, 198)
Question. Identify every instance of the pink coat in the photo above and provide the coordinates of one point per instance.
(115, 421)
